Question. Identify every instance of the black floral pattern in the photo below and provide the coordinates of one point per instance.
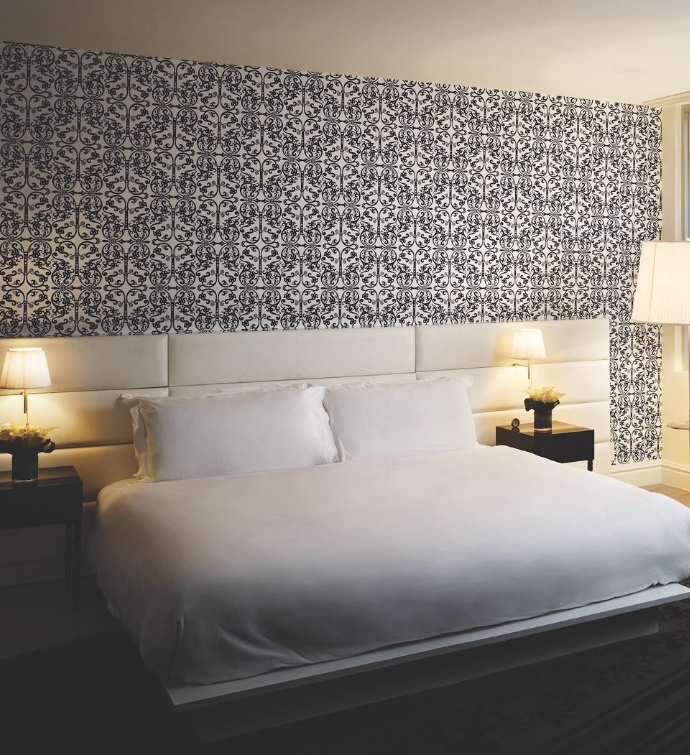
(145, 195)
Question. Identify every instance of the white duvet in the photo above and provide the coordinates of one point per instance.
(228, 577)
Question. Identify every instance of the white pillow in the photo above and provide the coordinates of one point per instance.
(230, 433)
(131, 401)
(376, 420)
(265, 385)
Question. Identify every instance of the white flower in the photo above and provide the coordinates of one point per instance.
(546, 394)
(24, 435)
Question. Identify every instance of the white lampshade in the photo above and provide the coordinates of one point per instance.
(25, 368)
(662, 294)
(529, 344)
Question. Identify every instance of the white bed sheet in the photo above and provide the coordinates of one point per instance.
(228, 577)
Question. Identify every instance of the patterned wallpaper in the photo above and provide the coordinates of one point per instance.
(144, 195)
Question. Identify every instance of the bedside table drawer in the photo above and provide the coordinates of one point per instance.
(32, 511)
(566, 448)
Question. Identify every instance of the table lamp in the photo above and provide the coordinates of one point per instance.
(25, 368)
(662, 294)
(528, 345)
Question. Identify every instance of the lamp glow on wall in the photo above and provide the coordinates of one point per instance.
(662, 295)
(24, 369)
(528, 345)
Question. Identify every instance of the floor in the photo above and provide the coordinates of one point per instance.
(40, 615)
(680, 495)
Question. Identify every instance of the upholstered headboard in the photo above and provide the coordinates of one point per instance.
(93, 428)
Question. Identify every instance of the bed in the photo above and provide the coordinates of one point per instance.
(262, 596)
(227, 578)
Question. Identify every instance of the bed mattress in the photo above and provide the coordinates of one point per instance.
(228, 577)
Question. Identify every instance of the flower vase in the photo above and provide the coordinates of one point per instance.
(543, 422)
(25, 464)
(25, 459)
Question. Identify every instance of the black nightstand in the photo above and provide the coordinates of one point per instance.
(564, 443)
(55, 498)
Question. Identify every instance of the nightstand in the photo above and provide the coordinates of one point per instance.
(55, 498)
(564, 443)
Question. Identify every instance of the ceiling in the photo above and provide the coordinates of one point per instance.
(613, 50)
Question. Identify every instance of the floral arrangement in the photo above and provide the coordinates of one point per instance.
(26, 436)
(545, 394)
(542, 399)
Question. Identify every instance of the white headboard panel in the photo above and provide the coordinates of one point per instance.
(90, 373)
(452, 347)
(93, 363)
(289, 355)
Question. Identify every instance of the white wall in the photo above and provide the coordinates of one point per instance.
(617, 51)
